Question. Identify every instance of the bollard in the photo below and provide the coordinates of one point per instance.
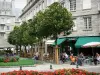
(20, 67)
(77, 65)
(50, 66)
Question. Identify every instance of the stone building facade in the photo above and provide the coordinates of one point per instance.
(33, 6)
(7, 20)
(86, 14)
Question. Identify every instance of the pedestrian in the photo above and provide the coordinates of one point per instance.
(95, 59)
(62, 57)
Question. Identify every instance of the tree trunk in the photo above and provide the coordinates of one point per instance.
(20, 50)
(16, 49)
(25, 50)
(56, 52)
(32, 52)
(42, 44)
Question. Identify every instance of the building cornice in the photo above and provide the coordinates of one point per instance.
(7, 15)
(24, 11)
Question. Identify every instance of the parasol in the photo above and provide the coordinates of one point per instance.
(91, 45)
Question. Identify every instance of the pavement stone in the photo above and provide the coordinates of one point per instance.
(46, 67)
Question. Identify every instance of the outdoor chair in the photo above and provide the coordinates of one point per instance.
(88, 61)
(98, 62)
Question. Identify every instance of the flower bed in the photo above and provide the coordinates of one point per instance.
(57, 72)
(9, 59)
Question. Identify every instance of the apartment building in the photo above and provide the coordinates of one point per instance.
(33, 6)
(86, 14)
(7, 19)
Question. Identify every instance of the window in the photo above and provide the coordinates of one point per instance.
(2, 12)
(40, 6)
(8, 28)
(87, 23)
(43, 5)
(2, 19)
(8, 20)
(2, 27)
(63, 4)
(72, 5)
(36, 9)
(74, 27)
(5, 12)
(86, 4)
(2, 34)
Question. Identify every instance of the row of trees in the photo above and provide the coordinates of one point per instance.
(49, 22)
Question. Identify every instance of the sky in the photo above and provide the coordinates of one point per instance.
(20, 3)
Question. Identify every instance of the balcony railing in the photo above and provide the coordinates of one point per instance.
(2, 31)
(2, 23)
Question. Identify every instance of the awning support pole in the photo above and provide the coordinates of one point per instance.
(92, 52)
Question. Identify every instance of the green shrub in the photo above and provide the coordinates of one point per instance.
(1, 59)
(17, 57)
(2, 52)
(11, 58)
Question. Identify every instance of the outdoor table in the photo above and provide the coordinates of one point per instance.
(88, 61)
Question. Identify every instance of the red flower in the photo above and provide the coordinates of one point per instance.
(57, 72)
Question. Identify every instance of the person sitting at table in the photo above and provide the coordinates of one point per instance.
(81, 57)
(98, 57)
(62, 57)
(95, 59)
(66, 55)
(73, 59)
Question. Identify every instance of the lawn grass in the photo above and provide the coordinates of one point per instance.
(21, 62)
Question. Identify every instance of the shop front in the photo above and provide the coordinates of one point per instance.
(89, 45)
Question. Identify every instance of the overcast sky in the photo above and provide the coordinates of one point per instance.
(20, 3)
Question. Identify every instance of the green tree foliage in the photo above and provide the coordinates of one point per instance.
(15, 37)
(54, 20)
(32, 31)
(24, 33)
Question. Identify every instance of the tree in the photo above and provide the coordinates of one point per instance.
(15, 37)
(55, 19)
(32, 33)
(24, 34)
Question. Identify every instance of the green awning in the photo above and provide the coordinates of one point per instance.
(59, 41)
(71, 38)
(84, 40)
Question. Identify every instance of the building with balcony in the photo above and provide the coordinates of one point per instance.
(86, 15)
(33, 6)
(7, 18)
